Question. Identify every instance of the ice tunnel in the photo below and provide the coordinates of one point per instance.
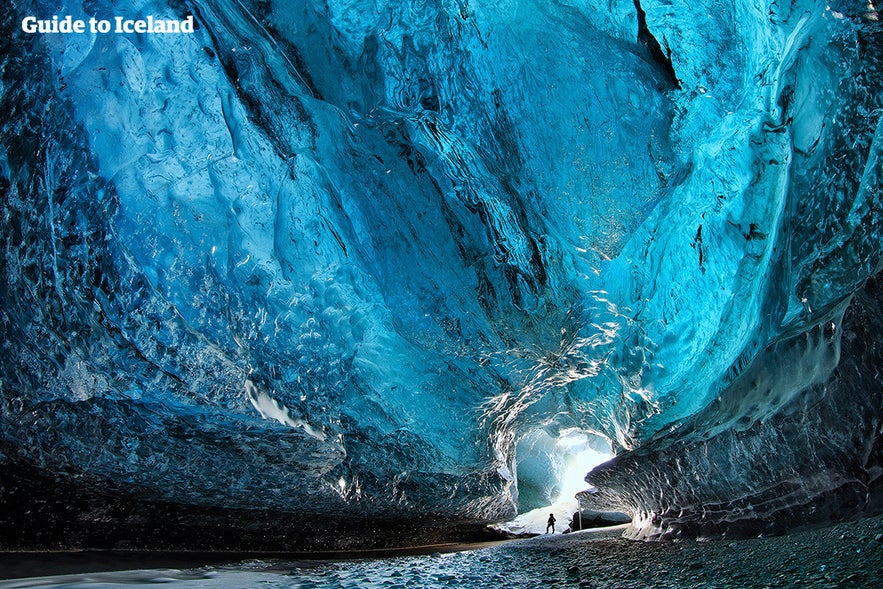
(370, 264)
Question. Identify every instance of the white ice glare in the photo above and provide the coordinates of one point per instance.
(270, 408)
(579, 459)
(575, 469)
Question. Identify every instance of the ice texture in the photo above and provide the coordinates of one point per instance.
(350, 256)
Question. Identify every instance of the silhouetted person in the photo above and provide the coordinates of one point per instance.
(550, 525)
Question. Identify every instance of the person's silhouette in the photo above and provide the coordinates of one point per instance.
(551, 523)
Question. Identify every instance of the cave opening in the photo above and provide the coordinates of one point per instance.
(551, 470)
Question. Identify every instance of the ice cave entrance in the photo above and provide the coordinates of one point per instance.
(561, 465)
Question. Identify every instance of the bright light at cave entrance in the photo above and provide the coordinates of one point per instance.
(575, 468)
(573, 448)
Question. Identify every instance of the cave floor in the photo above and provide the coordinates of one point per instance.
(846, 555)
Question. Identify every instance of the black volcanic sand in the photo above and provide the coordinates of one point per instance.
(845, 555)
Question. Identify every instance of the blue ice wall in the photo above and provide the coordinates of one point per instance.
(349, 254)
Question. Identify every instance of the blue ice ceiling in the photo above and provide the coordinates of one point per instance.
(379, 255)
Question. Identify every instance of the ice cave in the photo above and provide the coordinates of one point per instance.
(339, 274)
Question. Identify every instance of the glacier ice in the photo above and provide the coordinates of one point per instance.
(372, 257)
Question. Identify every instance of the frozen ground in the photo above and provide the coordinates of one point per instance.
(846, 555)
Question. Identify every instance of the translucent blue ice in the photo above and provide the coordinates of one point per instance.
(359, 253)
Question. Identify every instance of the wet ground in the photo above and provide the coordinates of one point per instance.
(845, 555)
